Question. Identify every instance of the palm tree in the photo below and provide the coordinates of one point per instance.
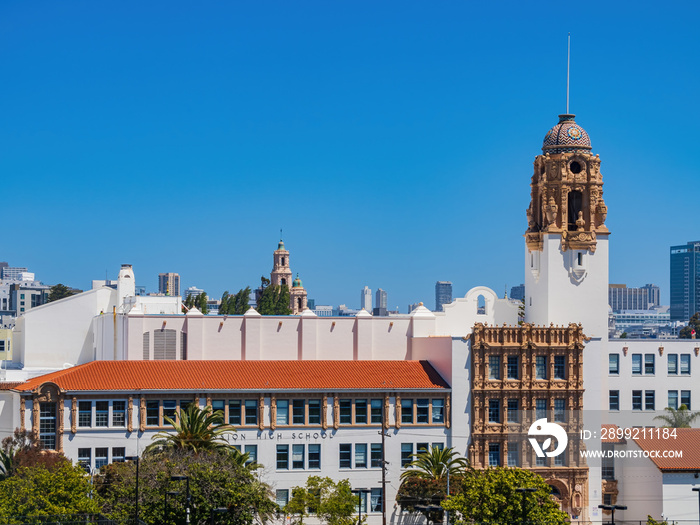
(6, 464)
(435, 463)
(681, 418)
(196, 430)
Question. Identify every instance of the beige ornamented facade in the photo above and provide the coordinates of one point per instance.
(566, 190)
(522, 374)
(281, 275)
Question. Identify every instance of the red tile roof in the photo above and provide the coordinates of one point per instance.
(687, 440)
(611, 435)
(9, 385)
(244, 375)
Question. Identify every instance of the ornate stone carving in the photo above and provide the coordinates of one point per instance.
(336, 412)
(448, 411)
(22, 413)
(130, 414)
(261, 412)
(324, 413)
(273, 412)
(142, 414)
(61, 422)
(386, 412)
(74, 415)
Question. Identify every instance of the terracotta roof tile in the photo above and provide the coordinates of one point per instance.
(9, 385)
(244, 375)
(611, 436)
(687, 440)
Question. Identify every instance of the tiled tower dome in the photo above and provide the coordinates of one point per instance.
(566, 136)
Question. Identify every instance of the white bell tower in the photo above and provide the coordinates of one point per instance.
(566, 243)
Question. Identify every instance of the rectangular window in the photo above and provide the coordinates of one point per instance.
(407, 411)
(376, 411)
(540, 408)
(362, 507)
(560, 460)
(439, 446)
(314, 456)
(438, 411)
(494, 411)
(152, 409)
(494, 455)
(217, 405)
(673, 399)
(345, 450)
(512, 367)
(422, 447)
(282, 412)
(101, 414)
(375, 455)
(360, 455)
(375, 500)
(607, 499)
(252, 451)
(513, 410)
(560, 410)
(559, 367)
(422, 410)
(636, 363)
(282, 497)
(85, 414)
(607, 463)
(298, 454)
(672, 364)
(406, 454)
(636, 399)
(541, 462)
(118, 454)
(298, 412)
(685, 398)
(169, 409)
(649, 363)
(282, 457)
(541, 367)
(101, 457)
(234, 412)
(614, 399)
(360, 411)
(314, 411)
(251, 412)
(513, 456)
(494, 367)
(685, 364)
(649, 400)
(118, 413)
(614, 363)
(345, 411)
(85, 458)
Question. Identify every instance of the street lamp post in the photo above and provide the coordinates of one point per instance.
(697, 489)
(613, 508)
(359, 493)
(523, 508)
(186, 479)
(214, 512)
(135, 459)
(447, 512)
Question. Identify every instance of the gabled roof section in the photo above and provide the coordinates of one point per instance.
(10, 385)
(687, 441)
(243, 375)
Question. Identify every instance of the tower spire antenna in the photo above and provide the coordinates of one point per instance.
(568, 68)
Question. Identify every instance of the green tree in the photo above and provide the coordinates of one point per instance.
(201, 303)
(434, 464)
(42, 491)
(196, 429)
(693, 324)
(274, 300)
(678, 418)
(235, 304)
(216, 480)
(332, 502)
(24, 449)
(59, 291)
(490, 496)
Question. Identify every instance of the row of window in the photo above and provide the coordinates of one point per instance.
(646, 400)
(244, 412)
(375, 500)
(299, 457)
(541, 367)
(407, 451)
(513, 457)
(513, 410)
(647, 364)
(101, 457)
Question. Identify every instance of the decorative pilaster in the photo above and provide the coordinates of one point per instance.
(142, 414)
(324, 412)
(336, 412)
(130, 413)
(74, 415)
(261, 412)
(273, 412)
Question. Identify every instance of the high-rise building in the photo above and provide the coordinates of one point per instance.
(620, 297)
(193, 290)
(443, 294)
(12, 274)
(169, 284)
(366, 299)
(380, 302)
(517, 292)
(685, 274)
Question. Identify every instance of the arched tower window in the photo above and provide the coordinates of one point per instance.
(284, 281)
(575, 206)
(283, 261)
(299, 303)
(481, 305)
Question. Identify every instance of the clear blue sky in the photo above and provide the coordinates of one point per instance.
(393, 141)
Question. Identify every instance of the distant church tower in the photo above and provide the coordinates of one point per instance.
(566, 256)
(282, 275)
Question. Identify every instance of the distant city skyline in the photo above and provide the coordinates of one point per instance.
(299, 117)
